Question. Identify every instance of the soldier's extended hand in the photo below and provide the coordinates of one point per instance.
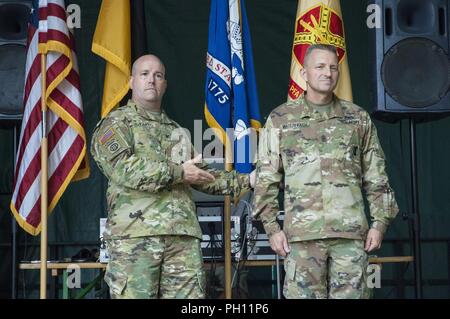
(374, 239)
(279, 244)
(195, 175)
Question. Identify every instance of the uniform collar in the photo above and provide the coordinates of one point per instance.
(308, 111)
(163, 118)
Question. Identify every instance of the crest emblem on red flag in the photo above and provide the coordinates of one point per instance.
(319, 24)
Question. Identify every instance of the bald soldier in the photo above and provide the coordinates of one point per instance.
(328, 151)
(152, 231)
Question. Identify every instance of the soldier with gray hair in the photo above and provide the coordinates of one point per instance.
(327, 151)
(152, 231)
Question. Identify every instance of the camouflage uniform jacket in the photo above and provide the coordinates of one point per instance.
(146, 195)
(326, 159)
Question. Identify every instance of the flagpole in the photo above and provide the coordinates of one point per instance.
(44, 181)
(227, 225)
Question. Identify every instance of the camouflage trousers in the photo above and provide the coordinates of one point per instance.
(328, 268)
(155, 267)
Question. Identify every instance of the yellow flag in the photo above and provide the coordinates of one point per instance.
(112, 41)
(319, 21)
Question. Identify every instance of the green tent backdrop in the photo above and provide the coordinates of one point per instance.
(178, 32)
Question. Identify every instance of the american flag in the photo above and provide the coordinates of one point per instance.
(48, 33)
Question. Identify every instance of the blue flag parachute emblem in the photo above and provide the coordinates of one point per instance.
(231, 99)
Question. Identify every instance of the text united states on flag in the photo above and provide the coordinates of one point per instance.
(48, 33)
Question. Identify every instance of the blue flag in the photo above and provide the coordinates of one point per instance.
(230, 90)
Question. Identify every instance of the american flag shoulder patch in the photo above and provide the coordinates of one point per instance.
(107, 136)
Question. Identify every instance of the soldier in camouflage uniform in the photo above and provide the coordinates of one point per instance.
(152, 232)
(327, 151)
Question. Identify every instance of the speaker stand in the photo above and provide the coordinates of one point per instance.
(14, 227)
(415, 217)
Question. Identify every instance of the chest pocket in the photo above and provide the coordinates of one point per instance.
(298, 148)
(147, 143)
(176, 143)
(348, 153)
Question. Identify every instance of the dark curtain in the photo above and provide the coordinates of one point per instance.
(177, 32)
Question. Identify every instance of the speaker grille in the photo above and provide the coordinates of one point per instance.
(416, 72)
(13, 21)
(416, 16)
(12, 69)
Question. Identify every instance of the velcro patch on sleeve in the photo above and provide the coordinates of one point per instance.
(107, 136)
(112, 143)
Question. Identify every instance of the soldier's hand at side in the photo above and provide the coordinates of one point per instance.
(195, 175)
(374, 239)
(279, 243)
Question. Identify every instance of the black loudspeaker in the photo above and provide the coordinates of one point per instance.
(409, 56)
(14, 16)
